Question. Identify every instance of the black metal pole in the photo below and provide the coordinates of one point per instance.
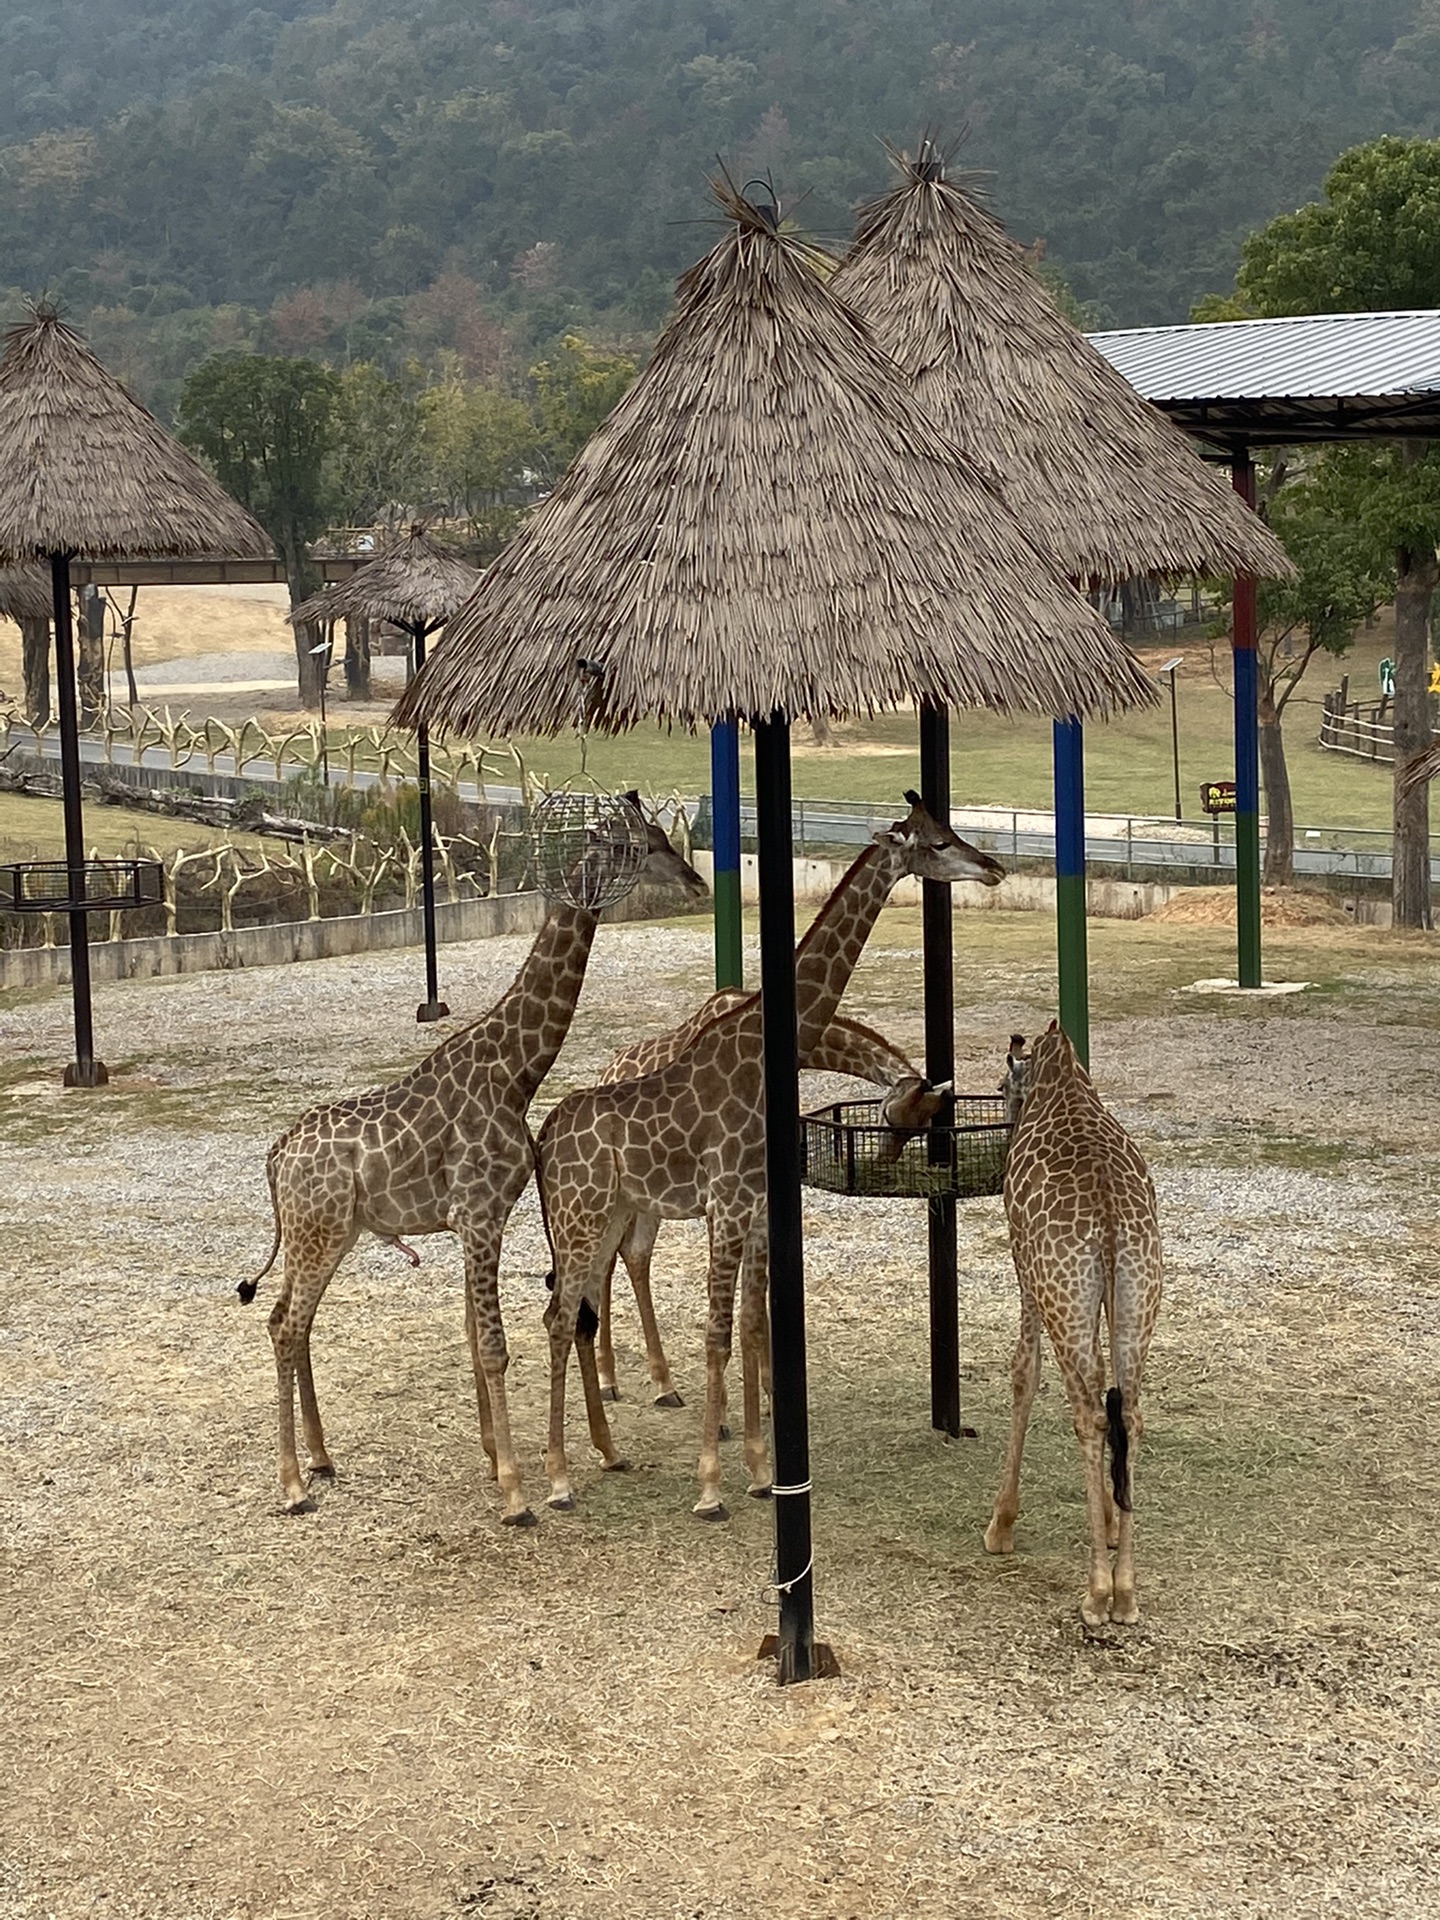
(85, 1070)
(938, 939)
(1175, 743)
(798, 1656)
(432, 1007)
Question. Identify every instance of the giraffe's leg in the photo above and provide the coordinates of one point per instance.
(601, 1437)
(1124, 1607)
(605, 1343)
(1136, 1306)
(1088, 1414)
(1024, 1377)
(754, 1342)
(576, 1265)
(311, 1257)
(482, 1395)
(636, 1250)
(727, 1241)
(481, 1239)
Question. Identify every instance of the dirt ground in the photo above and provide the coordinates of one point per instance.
(390, 1707)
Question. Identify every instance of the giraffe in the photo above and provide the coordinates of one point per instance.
(1085, 1237)
(445, 1147)
(1017, 1067)
(688, 1142)
(846, 1047)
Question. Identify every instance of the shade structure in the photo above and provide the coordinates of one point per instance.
(768, 527)
(415, 583)
(766, 523)
(86, 471)
(1092, 472)
(24, 593)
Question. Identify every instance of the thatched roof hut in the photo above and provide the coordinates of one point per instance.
(413, 581)
(24, 594)
(767, 522)
(84, 469)
(1095, 474)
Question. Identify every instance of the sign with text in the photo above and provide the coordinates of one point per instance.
(1387, 679)
(1218, 796)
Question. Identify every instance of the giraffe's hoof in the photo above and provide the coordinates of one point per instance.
(299, 1503)
(718, 1512)
(999, 1539)
(609, 1393)
(760, 1493)
(323, 1470)
(671, 1399)
(560, 1503)
(725, 1433)
(618, 1465)
(1124, 1612)
(524, 1518)
(1095, 1612)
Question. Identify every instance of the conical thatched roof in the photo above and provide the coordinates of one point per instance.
(85, 469)
(25, 594)
(766, 523)
(413, 582)
(1098, 476)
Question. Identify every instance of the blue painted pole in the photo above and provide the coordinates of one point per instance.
(725, 809)
(1247, 754)
(1071, 956)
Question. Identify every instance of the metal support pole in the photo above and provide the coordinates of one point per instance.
(432, 1007)
(725, 812)
(1175, 741)
(1247, 753)
(937, 924)
(798, 1655)
(1071, 956)
(85, 1070)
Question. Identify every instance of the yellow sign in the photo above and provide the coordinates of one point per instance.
(1435, 677)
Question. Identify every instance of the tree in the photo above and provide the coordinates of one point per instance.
(1374, 243)
(573, 393)
(1342, 578)
(481, 446)
(268, 428)
(378, 462)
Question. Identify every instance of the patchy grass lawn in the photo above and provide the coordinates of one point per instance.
(391, 1707)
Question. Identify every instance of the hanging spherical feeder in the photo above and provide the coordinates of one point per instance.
(588, 848)
(849, 1148)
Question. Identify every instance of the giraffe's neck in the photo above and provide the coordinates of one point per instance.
(826, 957)
(526, 1028)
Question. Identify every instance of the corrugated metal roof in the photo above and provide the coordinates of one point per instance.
(1324, 357)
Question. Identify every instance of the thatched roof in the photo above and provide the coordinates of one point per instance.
(766, 523)
(413, 581)
(85, 469)
(25, 594)
(1098, 476)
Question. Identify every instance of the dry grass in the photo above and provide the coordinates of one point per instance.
(392, 1708)
(1279, 907)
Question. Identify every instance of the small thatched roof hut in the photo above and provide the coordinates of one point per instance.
(24, 593)
(84, 469)
(1093, 472)
(766, 523)
(413, 581)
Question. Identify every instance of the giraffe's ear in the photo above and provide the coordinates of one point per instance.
(1054, 1027)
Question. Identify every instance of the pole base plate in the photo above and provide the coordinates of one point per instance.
(95, 1075)
(432, 1010)
(823, 1664)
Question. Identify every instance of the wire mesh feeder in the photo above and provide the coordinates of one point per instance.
(847, 1148)
(588, 847)
(94, 886)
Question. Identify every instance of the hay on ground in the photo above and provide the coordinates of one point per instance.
(1279, 907)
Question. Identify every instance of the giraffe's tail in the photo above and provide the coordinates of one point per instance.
(1119, 1448)
(248, 1288)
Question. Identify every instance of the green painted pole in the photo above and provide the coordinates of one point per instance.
(1071, 955)
(725, 814)
(1247, 753)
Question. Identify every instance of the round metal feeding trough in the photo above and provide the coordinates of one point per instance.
(848, 1148)
(588, 848)
(90, 886)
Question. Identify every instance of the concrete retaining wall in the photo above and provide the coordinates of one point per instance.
(1016, 893)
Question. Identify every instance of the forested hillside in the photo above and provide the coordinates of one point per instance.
(372, 177)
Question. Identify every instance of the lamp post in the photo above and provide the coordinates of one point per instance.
(1172, 667)
(324, 648)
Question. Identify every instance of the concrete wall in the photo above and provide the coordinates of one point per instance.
(1016, 893)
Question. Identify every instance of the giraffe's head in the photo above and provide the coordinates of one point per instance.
(1053, 1059)
(1017, 1076)
(908, 1108)
(934, 851)
(664, 867)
